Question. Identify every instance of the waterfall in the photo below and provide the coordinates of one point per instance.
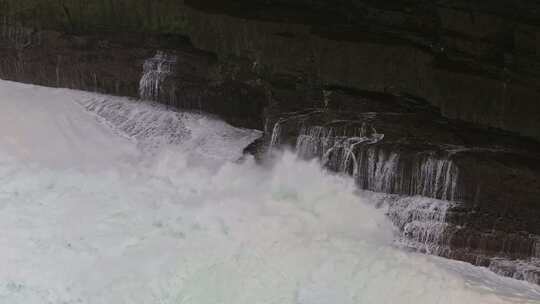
(374, 167)
(379, 171)
(435, 177)
(422, 173)
(76, 199)
(527, 270)
(421, 185)
(155, 72)
(276, 134)
(420, 220)
(428, 180)
(143, 121)
(323, 142)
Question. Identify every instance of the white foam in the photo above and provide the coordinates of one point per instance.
(177, 226)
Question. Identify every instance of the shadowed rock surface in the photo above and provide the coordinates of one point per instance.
(432, 98)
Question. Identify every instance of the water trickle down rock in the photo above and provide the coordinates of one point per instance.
(421, 221)
(527, 270)
(151, 124)
(355, 151)
(422, 187)
(276, 133)
(155, 72)
(430, 181)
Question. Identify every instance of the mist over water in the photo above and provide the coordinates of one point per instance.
(107, 200)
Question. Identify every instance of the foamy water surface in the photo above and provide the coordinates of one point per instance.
(108, 200)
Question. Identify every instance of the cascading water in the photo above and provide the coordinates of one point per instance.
(426, 184)
(430, 181)
(276, 133)
(528, 270)
(155, 72)
(325, 142)
(435, 177)
(376, 168)
(420, 220)
(140, 121)
(154, 126)
(89, 217)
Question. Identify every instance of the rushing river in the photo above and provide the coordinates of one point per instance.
(109, 200)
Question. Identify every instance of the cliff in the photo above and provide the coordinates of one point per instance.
(475, 61)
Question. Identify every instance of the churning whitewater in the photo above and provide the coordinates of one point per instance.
(110, 200)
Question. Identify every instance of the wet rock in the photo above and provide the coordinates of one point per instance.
(491, 179)
(412, 98)
(114, 64)
(476, 62)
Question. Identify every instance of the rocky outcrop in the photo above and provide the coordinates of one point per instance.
(438, 99)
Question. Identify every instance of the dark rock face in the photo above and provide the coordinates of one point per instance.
(85, 62)
(438, 99)
(113, 63)
(478, 63)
